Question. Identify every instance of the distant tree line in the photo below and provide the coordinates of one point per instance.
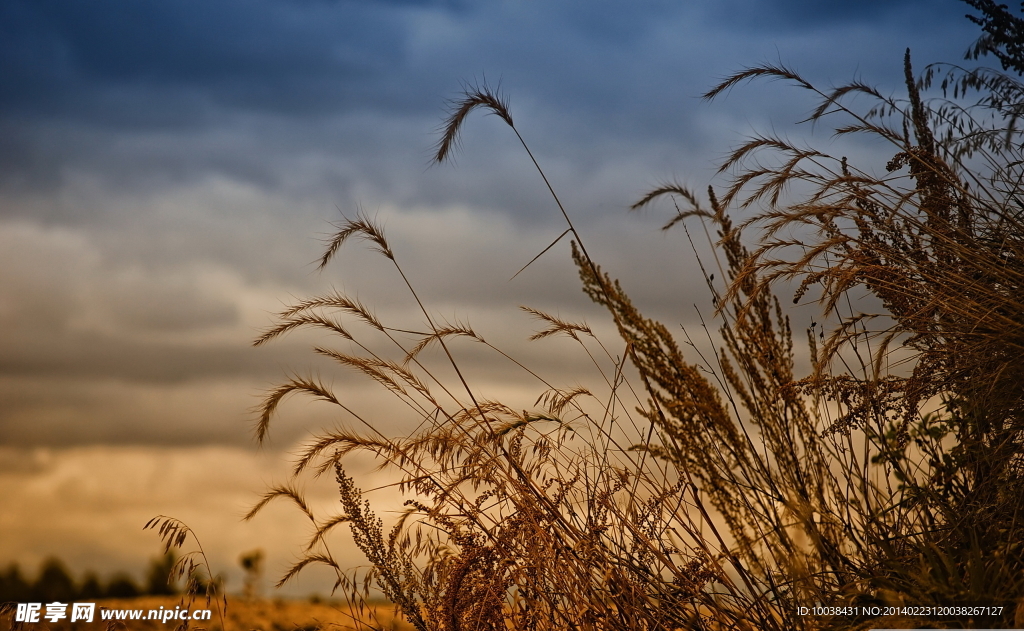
(55, 584)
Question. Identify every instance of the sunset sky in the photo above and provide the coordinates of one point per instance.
(170, 169)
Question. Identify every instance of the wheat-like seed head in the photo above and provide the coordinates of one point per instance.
(473, 97)
(362, 227)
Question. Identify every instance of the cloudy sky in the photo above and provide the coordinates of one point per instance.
(169, 171)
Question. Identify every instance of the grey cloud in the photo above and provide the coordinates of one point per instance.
(103, 357)
(166, 143)
(22, 462)
(260, 52)
(157, 97)
(172, 309)
(798, 15)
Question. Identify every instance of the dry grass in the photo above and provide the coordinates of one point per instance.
(720, 491)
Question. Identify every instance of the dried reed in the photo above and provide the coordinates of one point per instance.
(726, 492)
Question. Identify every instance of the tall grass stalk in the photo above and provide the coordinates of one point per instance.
(720, 491)
(193, 566)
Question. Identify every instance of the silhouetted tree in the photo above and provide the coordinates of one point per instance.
(13, 586)
(158, 578)
(122, 586)
(252, 563)
(54, 583)
(1003, 35)
(91, 587)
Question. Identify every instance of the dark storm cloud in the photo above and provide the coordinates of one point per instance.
(152, 94)
(798, 15)
(91, 59)
(296, 58)
(153, 64)
(156, 65)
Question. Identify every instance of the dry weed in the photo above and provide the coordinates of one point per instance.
(722, 492)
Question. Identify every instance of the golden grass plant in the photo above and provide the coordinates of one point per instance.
(721, 490)
(193, 567)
